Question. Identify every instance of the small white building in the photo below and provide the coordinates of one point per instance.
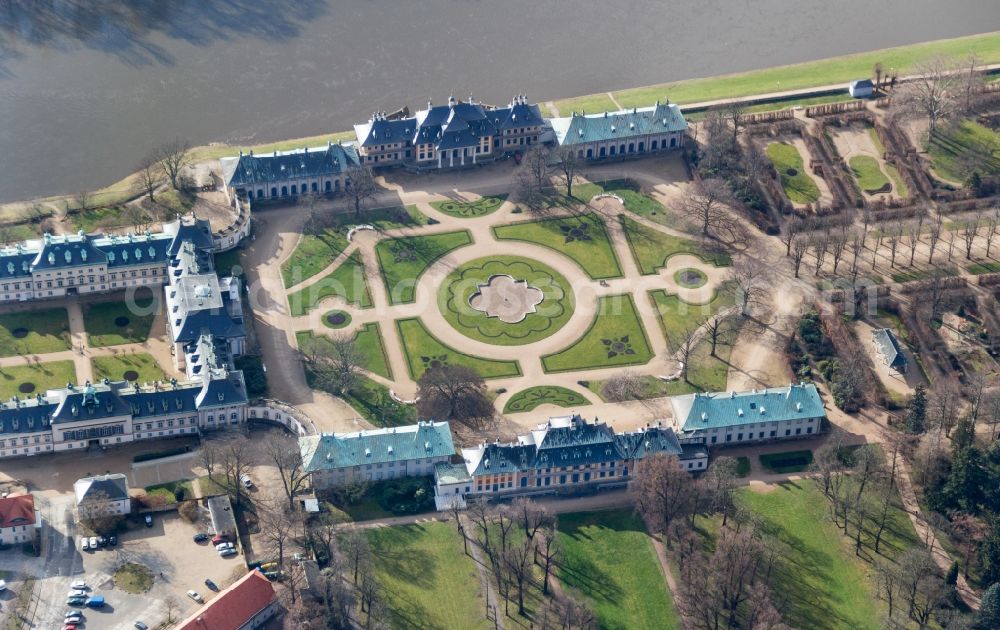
(862, 88)
(106, 495)
(18, 519)
(759, 415)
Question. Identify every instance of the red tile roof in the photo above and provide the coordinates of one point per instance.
(234, 606)
(17, 509)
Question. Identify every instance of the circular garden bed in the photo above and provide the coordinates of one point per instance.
(690, 278)
(130, 375)
(26, 388)
(336, 319)
(121, 321)
(19, 333)
(548, 316)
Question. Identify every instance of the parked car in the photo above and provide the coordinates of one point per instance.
(220, 538)
(140, 626)
(3, 586)
(80, 584)
(225, 545)
(149, 520)
(102, 541)
(77, 592)
(225, 553)
(76, 601)
(95, 601)
(113, 540)
(93, 542)
(69, 626)
(269, 566)
(73, 616)
(211, 585)
(195, 596)
(84, 543)
(201, 537)
(246, 481)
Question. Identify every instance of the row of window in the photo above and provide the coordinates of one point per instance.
(329, 186)
(622, 149)
(760, 435)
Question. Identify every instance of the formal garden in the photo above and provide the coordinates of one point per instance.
(114, 323)
(797, 183)
(28, 380)
(39, 331)
(132, 367)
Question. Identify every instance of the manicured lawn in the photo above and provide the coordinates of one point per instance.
(47, 330)
(651, 248)
(951, 145)
(403, 260)
(423, 351)
(550, 314)
(787, 462)
(677, 316)
(590, 104)
(986, 267)
(802, 75)
(825, 584)
(368, 341)
(870, 177)
(470, 209)
(924, 274)
(608, 558)
(346, 281)
(798, 185)
(316, 251)
(51, 375)
(528, 399)
(115, 323)
(428, 580)
(172, 488)
(114, 368)
(582, 238)
(636, 201)
(775, 106)
(615, 338)
(373, 402)
(134, 578)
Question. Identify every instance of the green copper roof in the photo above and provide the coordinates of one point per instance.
(329, 451)
(620, 125)
(728, 409)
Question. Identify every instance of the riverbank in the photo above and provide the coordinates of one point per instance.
(693, 92)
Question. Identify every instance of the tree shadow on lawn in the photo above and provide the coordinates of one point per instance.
(400, 560)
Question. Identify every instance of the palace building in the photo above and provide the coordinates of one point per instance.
(622, 134)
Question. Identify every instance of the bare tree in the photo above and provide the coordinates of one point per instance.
(893, 237)
(283, 452)
(992, 226)
(235, 457)
(838, 244)
(334, 361)
(707, 204)
(662, 491)
(736, 113)
(913, 238)
(933, 236)
(174, 156)
(623, 386)
(569, 167)
(685, 349)
(720, 480)
(148, 177)
(931, 93)
(361, 188)
(970, 82)
(970, 229)
(83, 200)
(789, 232)
(454, 392)
(357, 553)
(799, 249)
(548, 549)
(717, 331)
(99, 513)
(171, 606)
(951, 243)
(750, 277)
(819, 243)
(208, 457)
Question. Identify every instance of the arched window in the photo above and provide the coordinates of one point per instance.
(315, 187)
(603, 149)
(284, 191)
(590, 154)
(329, 187)
(249, 194)
(579, 154)
(274, 191)
(621, 149)
(653, 147)
(260, 193)
(642, 147)
(673, 142)
(294, 191)
(631, 147)
(612, 152)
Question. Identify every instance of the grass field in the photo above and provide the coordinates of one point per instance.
(368, 341)
(45, 376)
(424, 351)
(403, 260)
(825, 584)
(651, 249)
(951, 148)
(924, 274)
(114, 367)
(47, 331)
(470, 209)
(797, 76)
(677, 316)
(101, 321)
(428, 580)
(635, 200)
(373, 401)
(134, 578)
(986, 267)
(608, 558)
(549, 316)
(868, 174)
(798, 185)
(582, 238)
(529, 399)
(615, 338)
(346, 281)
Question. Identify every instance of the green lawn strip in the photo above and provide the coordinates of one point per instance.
(787, 461)
(172, 488)
(48, 331)
(950, 147)
(651, 249)
(798, 184)
(615, 338)
(829, 71)
(368, 341)
(423, 350)
(427, 579)
(470, 209)
(868, 174)
(101, 321)
(529, 399)
(582, 238)
(826, 584)
(347, 281)
(986, 267)
(550, 315)
(609, 559)
(779, 105)
(591, 103)
(51, 375)
(403, 260)
(114, 367)
(897, 181)
(677, 316)
(924, 274)
(635, 200)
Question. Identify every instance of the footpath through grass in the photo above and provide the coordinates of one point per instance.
(608, 558)
(830, 71)
(428, 580)
(651, 249)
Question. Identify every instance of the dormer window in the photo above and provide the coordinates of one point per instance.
(52, 258)
(68, 255)
(111, 257)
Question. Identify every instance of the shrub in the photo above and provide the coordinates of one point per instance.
(951, 578)
(409, 495)
(170, 452)
(188, 511)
